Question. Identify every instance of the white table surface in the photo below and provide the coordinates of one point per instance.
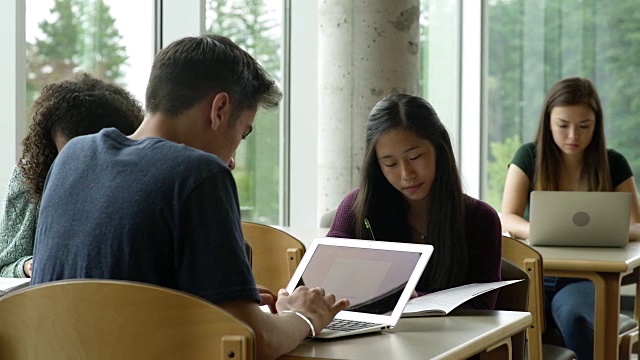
(460, 335)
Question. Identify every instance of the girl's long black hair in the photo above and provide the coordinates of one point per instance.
(387, 210)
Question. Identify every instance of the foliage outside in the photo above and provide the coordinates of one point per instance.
(532, 44)
(79, 35)
(502, 152)
(254, 27)
(535, 43)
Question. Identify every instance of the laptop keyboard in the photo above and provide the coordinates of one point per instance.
(349, 325)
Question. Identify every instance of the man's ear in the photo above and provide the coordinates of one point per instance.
(220, 110)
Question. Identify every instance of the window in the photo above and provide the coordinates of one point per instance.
(256, 26)
(111, 39)
(439, 58)
(534, 43)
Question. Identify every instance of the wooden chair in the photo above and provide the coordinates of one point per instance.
(276, 254)
(626, 342)
(520, 253)
(628, 339)
(528, 259)
(327, 218)
(105, 319)
(514, 297)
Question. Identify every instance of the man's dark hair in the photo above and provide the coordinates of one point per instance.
(189, 69)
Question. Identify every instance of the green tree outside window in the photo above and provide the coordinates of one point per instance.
(256, 27)
(81, 35)
(533, 44)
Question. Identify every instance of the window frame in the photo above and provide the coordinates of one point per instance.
(14, 94)
(299, 152)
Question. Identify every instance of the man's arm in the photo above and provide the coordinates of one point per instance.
(213, 265)
(277, 335)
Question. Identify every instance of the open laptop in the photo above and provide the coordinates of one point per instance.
(576, 218)
(377, 278)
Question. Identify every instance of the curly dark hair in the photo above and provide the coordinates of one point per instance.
(73, 107)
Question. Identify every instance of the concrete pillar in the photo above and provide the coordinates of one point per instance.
(367, 49)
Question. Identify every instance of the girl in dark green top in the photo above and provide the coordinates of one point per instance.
(569, 154)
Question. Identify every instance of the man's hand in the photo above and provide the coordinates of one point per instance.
(267, 297)
(319, 307)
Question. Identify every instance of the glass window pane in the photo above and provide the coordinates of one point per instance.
(255, 25)
(439, 61)
(534, 43)
(111, 39)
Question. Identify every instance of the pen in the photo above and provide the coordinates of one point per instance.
(368, 226)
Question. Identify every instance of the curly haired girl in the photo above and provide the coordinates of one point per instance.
(65, 109)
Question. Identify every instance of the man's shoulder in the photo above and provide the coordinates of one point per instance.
(154, 151)
(151, 162)
(188, 155)
(194, 162)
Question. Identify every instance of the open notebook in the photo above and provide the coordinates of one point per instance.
(444, 301)
(376, 277)
(11, 284)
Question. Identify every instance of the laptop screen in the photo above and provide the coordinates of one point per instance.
(373, 280)
(377, 277)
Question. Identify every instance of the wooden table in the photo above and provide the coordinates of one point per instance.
(460, 335)
(605, 267)
(463, 334)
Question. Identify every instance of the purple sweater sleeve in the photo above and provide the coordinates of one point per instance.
(483, 231)
(343, 225)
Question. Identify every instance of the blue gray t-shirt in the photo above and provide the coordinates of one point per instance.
(152, 211)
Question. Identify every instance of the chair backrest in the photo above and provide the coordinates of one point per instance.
(276, 254)
(514, 297)
(327, 218)
(105, 319)
(529, 260)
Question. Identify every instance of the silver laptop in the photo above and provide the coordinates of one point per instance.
(377, 278)
(576, 218)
